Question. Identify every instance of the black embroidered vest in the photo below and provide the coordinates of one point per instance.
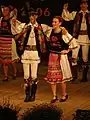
(5, 28)
(57, 44)
(78, 21)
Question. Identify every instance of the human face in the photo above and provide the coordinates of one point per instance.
(84, 6)
(66, 6)
(55, 23)
(5, 12)
(32, 19)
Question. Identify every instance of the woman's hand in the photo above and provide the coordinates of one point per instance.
(64, 51)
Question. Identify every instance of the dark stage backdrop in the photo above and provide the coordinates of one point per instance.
(46, 8)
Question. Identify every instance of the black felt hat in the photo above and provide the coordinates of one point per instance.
(84, 1)
(65, 1)
(32, 13)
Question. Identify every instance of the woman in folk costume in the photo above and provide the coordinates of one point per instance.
(7, 44)
(82, 34)
(33, 45)
(60, 43)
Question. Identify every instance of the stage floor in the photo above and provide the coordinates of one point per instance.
(79, 93)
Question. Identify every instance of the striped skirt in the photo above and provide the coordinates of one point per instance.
(7, 50)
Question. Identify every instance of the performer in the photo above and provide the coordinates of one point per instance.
(68, 17)
(68, 22)
(8, 52)
(60, 43)
(82, 34)
(30, 56)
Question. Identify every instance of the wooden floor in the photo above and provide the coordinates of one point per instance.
(79, 93)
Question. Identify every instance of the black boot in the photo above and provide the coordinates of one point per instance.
(27, 92)
(74, 73)
(5, 79)
(85, 71)
(33, 90)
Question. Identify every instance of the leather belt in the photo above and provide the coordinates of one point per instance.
(83, 32)
(31, 47)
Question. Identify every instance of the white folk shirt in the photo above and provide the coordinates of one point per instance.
(32, 39)
(83, 39)
(67, 16)
(31, 56)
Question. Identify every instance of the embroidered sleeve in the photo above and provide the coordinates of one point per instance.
(46, 29)
(70, 40)
(16, 26)
(67, 16)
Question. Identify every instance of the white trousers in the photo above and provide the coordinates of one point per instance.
(30, 70)
(84, 42)
(85, 51)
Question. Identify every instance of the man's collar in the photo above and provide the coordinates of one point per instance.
(83, 11)
(35, 25)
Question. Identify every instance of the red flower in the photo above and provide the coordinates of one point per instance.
(54, 38)
(39, 27)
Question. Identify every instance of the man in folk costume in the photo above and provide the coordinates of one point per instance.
(68, 17)
(30, 57)
(8, 54)
(82, 34)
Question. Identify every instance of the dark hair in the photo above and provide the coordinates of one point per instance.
(59, 18)
(43, 112)
(8, 111)
(84, 1)
(81, 114)
(32, 13)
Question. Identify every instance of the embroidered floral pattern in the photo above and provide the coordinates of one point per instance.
(54, 70)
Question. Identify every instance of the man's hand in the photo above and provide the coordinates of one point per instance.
(65, 7)
(14, 21)
(64, 51)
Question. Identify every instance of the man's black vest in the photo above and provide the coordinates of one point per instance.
(22, 41)
(78, 21)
